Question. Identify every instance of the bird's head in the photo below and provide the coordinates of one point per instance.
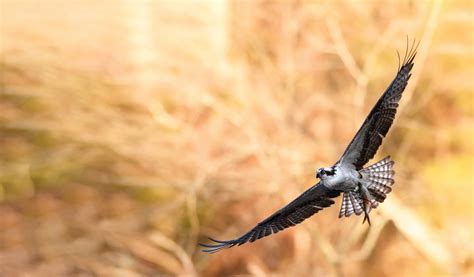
(324, 172)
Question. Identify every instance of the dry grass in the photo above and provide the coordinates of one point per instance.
(131, 130)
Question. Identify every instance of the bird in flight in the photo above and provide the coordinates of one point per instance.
(363, 188)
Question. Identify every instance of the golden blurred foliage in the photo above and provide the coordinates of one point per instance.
(130, 130)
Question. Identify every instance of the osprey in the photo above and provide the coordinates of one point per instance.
(362, 188)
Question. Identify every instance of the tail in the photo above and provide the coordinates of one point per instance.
(377, 182)
(380, 178)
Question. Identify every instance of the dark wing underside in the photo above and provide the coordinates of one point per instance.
(375, 127)
(310, 202)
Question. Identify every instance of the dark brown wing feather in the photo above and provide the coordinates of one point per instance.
(310, 202)
(375, 127)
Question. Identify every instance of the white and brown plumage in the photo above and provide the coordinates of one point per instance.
(363, 188)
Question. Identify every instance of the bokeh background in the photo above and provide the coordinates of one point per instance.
(131, 130)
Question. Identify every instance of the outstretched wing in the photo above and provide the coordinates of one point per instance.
(310, 202)
(375, 127)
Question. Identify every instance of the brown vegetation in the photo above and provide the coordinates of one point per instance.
(132, 130)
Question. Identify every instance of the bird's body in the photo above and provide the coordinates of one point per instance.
(362, 188)
(344, 178)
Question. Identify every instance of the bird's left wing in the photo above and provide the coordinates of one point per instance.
(310, 202)
(375, 127)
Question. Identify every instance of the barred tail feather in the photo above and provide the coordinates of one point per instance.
(351, 203)
(378, 181)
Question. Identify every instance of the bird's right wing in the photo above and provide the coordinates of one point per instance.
(375, 127)
(310, 202)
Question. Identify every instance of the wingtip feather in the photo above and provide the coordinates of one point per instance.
(218, 241)
(220, 244)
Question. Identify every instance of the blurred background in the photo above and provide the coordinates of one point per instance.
(132, 130)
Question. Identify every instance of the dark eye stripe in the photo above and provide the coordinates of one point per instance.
(332, 172)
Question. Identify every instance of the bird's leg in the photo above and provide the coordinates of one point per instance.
(366, 202)
(366, 213)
